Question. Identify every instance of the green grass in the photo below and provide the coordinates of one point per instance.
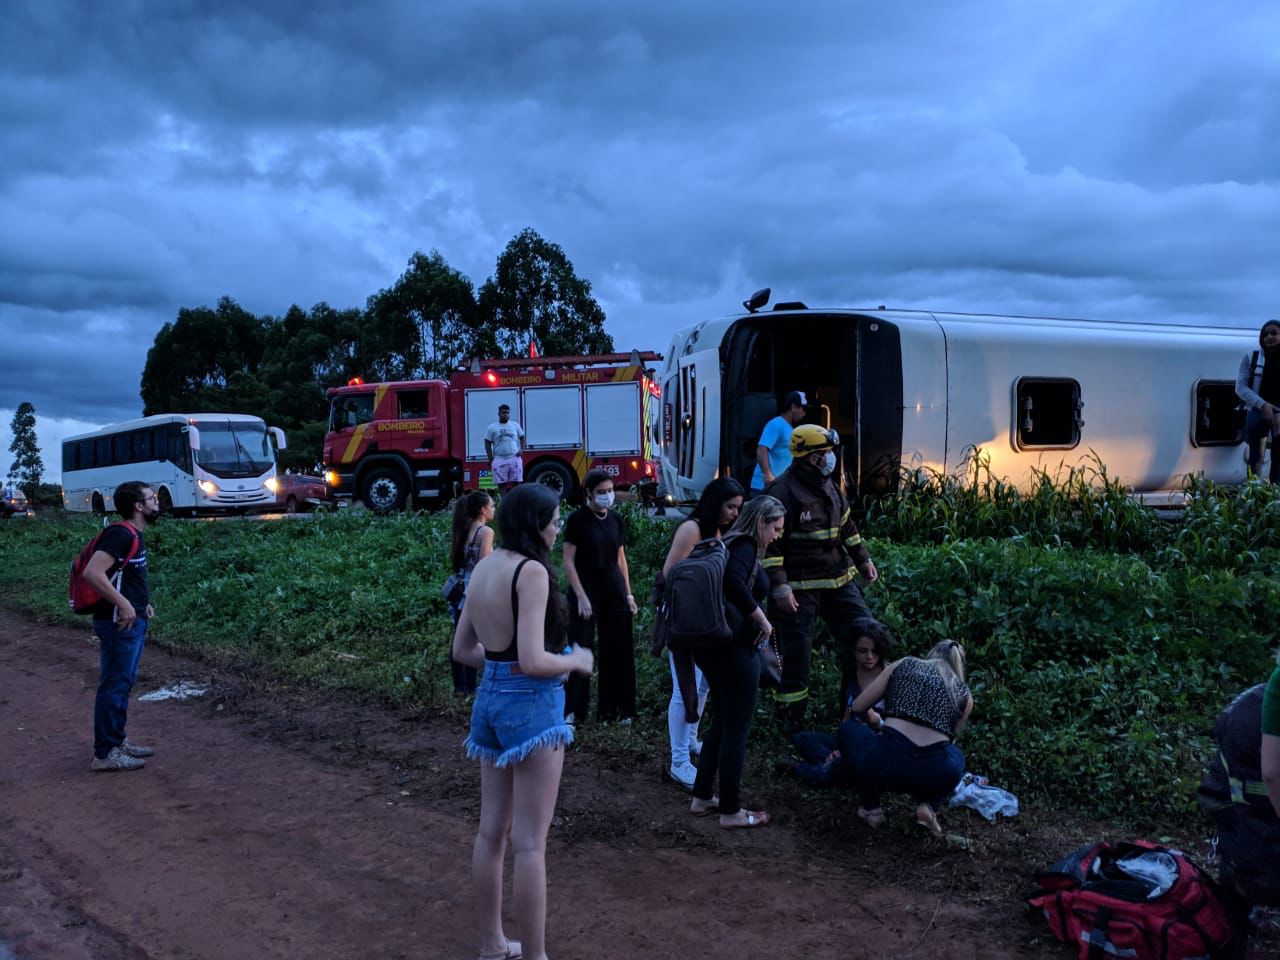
(1102, 641)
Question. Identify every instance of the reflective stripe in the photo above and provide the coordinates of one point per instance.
(824, 584)
(1254, 788)
(768, 562)
(794, 696)
(830, 533)
(854, 541)
(844, 517)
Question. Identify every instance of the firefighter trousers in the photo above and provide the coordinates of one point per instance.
(839, 609)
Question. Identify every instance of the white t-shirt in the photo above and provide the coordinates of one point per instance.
(505, 438)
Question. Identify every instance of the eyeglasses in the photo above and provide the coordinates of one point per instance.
(150, 499)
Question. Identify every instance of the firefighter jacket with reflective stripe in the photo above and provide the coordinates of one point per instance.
(820, 547)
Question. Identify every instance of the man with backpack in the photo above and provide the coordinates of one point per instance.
(117, 572)
(813, 567)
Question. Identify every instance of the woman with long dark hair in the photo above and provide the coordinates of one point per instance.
(926, 704)
(733, 668)
(1258, 386)
(471, 542)
(717, 509)
(513, 625)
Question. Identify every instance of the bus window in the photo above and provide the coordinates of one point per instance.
(102, 452)
(120, 452)
(159, 448)
(141, 445)
(69, 451)
(85, 458)
(1219, 414)
(1047, 413)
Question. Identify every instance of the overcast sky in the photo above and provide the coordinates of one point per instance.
(1112, 159)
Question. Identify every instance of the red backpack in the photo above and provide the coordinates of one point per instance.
(81, 597)
(1107, 911)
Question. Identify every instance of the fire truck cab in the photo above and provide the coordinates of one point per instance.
(419, 442)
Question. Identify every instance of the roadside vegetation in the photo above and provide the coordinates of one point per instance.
(1102, 640)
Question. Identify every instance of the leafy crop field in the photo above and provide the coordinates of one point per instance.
(1102, 640)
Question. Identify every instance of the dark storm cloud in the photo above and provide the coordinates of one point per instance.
(1108, 161)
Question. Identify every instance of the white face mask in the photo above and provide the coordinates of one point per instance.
(828, 463)
(603, 501)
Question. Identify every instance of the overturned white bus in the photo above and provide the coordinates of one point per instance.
(910, 388)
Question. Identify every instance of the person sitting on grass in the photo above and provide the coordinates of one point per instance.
(821, 763)
(926, 703)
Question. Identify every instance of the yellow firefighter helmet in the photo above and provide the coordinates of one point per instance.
(811, 438)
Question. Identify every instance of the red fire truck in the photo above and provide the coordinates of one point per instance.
(418, 442)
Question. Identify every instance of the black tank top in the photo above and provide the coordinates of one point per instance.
(510, 654)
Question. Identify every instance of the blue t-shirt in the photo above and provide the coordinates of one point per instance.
(777, 437)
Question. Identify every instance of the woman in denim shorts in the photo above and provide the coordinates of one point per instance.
(512, 626)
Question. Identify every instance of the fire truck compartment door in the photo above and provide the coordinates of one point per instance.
(552, 417)
(613, 418)
(482, 410)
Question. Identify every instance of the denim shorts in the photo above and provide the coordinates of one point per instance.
(515, 715)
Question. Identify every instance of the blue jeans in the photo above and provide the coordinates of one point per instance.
(815, 747)
(889, 761)
(118, 654)
(1256, 430)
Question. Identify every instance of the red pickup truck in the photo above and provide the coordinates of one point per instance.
(300, 491)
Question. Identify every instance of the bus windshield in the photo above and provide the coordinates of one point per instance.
(234, 448)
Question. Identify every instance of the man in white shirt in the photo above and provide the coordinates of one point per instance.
(502, 447)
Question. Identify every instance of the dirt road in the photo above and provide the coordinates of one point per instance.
(320, 827)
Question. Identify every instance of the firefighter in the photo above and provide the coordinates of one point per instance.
(813, 567)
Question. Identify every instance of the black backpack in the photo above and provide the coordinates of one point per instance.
(693, 600)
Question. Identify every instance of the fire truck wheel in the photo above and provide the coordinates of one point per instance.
(385, 490)
(291, 505)
(555, 475)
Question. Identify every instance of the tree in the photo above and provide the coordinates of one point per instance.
(28, 469)
(193, 360)
(534, 294)
(440, 303)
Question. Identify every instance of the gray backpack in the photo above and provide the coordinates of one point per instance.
(693, 601)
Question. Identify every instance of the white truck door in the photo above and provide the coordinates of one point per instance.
(613, 419)
(482, 410)
(552, 417)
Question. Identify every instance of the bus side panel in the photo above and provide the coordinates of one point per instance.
(1136, 392)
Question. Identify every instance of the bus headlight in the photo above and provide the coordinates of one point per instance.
(209, 487)
(272, 484)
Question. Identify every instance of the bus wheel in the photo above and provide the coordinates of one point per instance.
(98, 506)
(166, 502)
(553, 474)
(385, 490)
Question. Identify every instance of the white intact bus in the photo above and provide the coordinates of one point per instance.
(195, 462)
(909, 388)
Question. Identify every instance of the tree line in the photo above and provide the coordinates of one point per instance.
(225, 359)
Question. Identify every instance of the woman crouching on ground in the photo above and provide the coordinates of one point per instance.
(717, 509)
(732, 668)
(926, 703)
(511, 624)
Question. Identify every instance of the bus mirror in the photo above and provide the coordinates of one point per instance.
(193, 436)
(279, 435)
